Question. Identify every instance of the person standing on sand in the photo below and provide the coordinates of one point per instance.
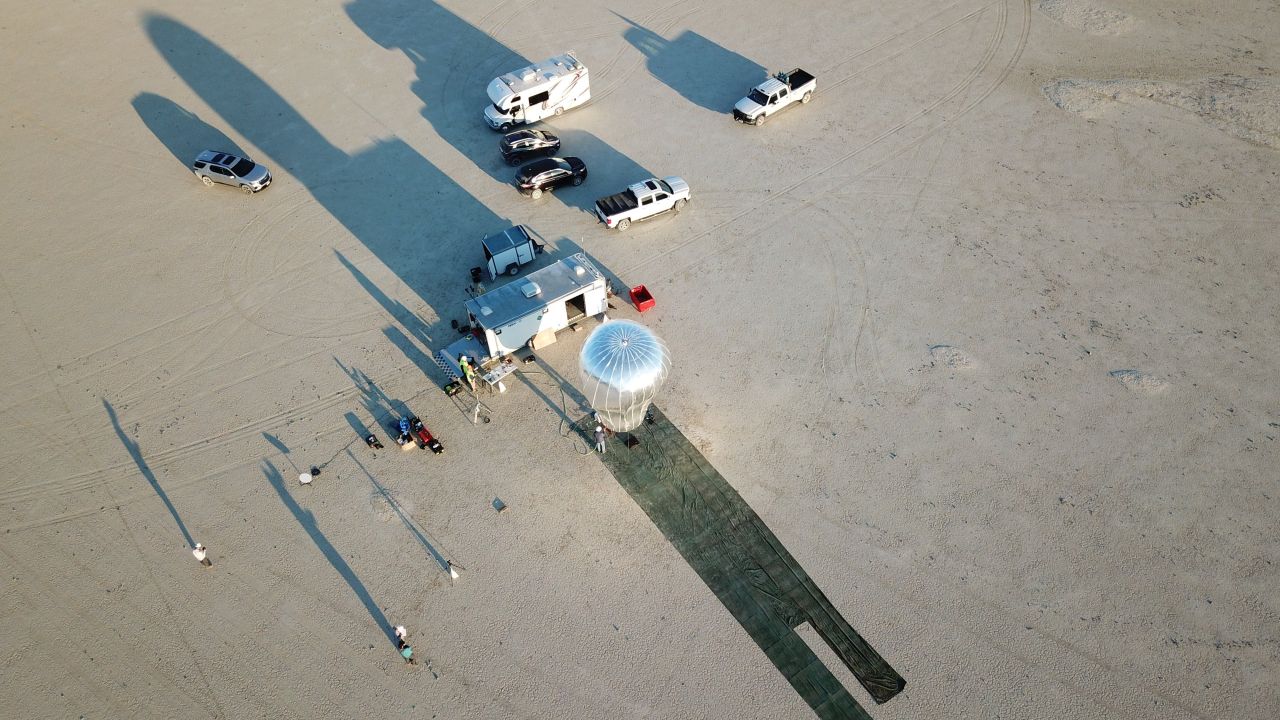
(600, 439)
(202, 554)
(402, 644)
(468, 374)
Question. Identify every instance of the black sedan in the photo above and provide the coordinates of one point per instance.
(550, 173)
(519, 146)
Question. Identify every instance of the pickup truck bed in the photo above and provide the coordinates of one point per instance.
(797, 78)
(617, 203)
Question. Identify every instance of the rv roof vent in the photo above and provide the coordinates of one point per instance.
(578, 269)
(528, 75)
(530, 289)
(486, 310)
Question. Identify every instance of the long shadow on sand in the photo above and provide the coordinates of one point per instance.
(308, 523)
(456, 60)
(746, 566)
(181, 130)
(703, 72)
(406, 211)
(136, 453)
(409, 523)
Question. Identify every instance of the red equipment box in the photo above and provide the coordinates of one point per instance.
(641, 298)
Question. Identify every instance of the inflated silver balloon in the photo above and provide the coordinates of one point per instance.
(623, 365)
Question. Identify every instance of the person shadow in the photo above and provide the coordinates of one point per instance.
(309, 525)
(135, 452)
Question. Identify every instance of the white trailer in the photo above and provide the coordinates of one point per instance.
(535, 308)
(506, 251)
(541, 90)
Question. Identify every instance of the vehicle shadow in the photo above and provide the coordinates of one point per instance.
(308, 522)
(455, 62)
(701, 71)
(135, 452)
(608, 171)
(386, 194)
(179, 129)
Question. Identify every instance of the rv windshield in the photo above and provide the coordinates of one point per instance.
(501, 111)
(758, 97)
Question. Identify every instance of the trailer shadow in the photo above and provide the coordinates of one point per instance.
(702, 71)
(455, 62)
(180, 130)
(384, 194)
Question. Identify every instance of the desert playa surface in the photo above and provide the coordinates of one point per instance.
(986, 335)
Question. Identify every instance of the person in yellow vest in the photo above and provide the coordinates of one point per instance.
(468, 374)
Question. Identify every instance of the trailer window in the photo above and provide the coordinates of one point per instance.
(539, 98)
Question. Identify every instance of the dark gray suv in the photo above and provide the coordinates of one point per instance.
(219, 167)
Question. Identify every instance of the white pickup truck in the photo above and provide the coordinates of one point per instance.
(774, 94)
(642, 201)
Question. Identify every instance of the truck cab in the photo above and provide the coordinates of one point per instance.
(774, 94)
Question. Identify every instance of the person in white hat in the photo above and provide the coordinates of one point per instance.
(402, 644)
(202, 554)
(600, 438)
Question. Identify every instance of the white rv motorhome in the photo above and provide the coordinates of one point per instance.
(541, 90)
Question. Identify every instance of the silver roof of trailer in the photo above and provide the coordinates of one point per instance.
(518, 298)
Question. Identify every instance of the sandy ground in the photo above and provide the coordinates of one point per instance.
(987, 334)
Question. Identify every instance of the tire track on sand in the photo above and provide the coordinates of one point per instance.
(956, 90)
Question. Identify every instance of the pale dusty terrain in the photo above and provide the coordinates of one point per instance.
(987, 334)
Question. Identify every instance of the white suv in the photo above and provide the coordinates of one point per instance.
(219, 167)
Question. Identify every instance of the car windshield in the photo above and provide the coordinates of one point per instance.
(666, 187)
(242, 168)
(758, 97)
